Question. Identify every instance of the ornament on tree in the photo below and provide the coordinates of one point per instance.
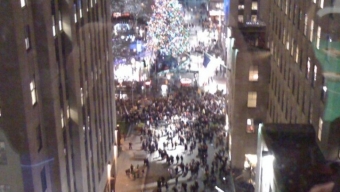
(166, 31)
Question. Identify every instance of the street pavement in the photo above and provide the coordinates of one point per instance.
(158, 167)
(126, 158)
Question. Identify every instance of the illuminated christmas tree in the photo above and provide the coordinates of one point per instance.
(166, 30)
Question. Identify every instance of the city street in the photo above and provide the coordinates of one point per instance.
(208, 81)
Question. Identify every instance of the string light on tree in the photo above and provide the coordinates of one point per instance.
(166, 30)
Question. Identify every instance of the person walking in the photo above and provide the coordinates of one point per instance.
(130, 146)
(177, 158)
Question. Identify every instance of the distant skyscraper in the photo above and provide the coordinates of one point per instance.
(57, 108)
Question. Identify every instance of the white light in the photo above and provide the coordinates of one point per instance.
(81, 13)
(23, 3)
(324, 88)
(60, 24)
(248, 121)
(218, 189)
(267, 166)
(123, 37)
(75, 18)
(109, 170)
(53, 26)
(164, 88)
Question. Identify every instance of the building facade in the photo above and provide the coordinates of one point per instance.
(57, 109)
(247, 102)
(248, 70)
(298, 86)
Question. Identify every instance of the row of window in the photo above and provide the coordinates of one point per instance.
(253, 18)
(254, 6)
(252, 96)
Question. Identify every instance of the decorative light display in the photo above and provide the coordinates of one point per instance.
(166, 30)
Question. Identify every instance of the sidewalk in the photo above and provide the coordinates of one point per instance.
(127, 157)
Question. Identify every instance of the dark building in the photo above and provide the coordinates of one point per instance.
(299, 89)
(57, 108)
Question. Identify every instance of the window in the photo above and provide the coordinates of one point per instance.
(318, 36)
(39, 138)
(27, 37)
(321, 3)
(43, 180)
(315, 72)
(68, 111)
(306, 24)
(254, 5)
(33, 92)
(314, 1)
(323, 92)
(320, 129)
(240, 18)
(3, 156)
(250, 126)
(311, 30)
(308, 68)
(23, 3)
(293, 45)
(82, 96)
(297, 54)
(5, 188)
(253, 18)
(60, 21)
(240, 7)
(287, 43)
(252, 97)
(253, 73)
(62, 118)
(80, 9)
(284, 36)
(310, 113)
(75, 13)
(53, 26)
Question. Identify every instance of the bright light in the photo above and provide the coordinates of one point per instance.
(147, 82)
(185, 81)
(248, 121)
(123, 37)
(218, 189)
(23, 3)
(268, 172)
(164, 88)
(109, 170)
(324, 88)
(60, 22)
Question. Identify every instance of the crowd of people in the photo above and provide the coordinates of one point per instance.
(189, 119)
